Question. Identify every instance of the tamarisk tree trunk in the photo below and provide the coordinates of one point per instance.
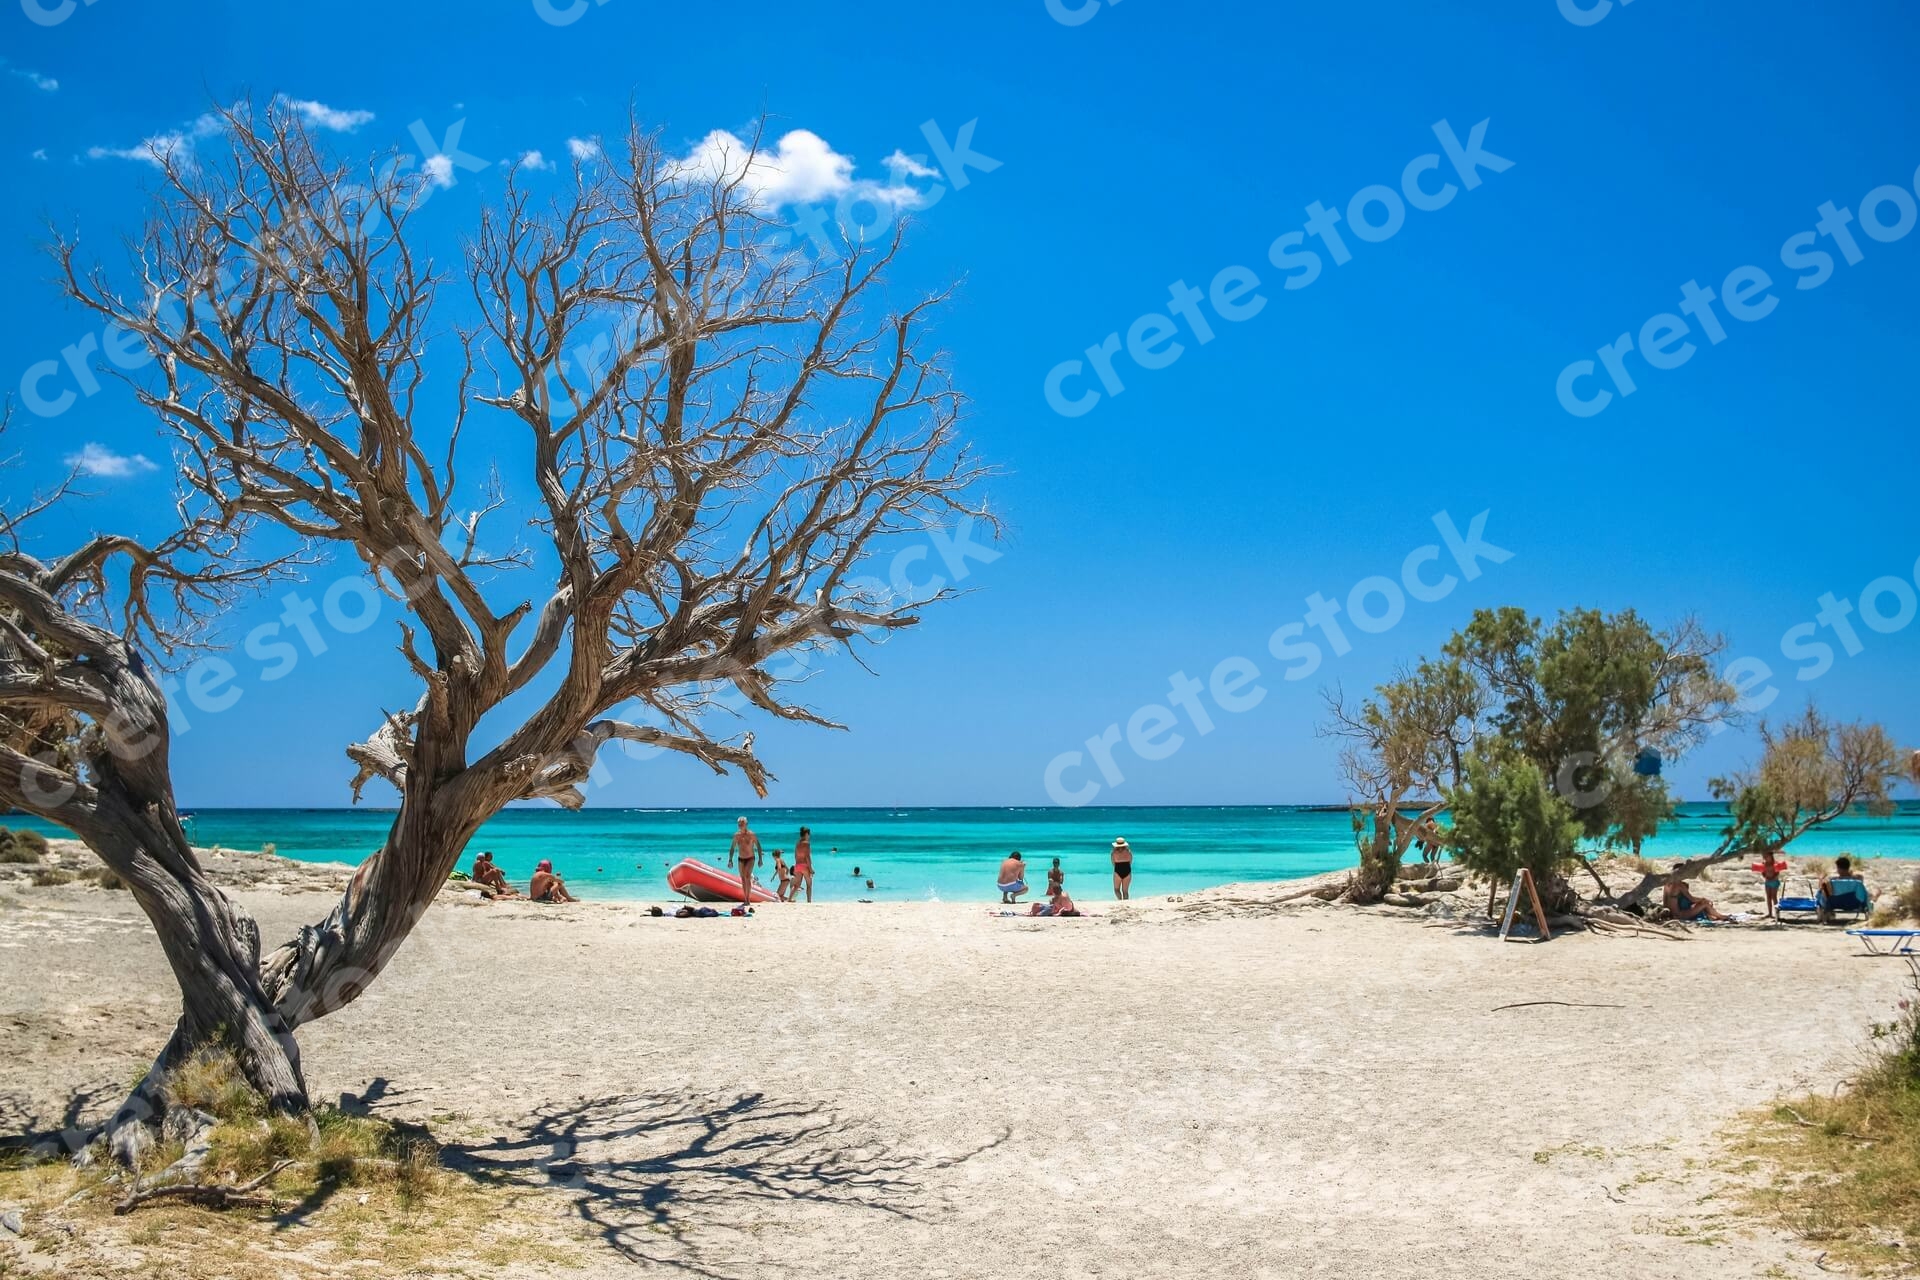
(124, 810)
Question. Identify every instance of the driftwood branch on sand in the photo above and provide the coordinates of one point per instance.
(213, 1196)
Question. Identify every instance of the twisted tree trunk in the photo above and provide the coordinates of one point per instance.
(128, 818)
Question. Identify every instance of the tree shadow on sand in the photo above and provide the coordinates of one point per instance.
(645, 1170)
(379, 1091)
(28, 1135)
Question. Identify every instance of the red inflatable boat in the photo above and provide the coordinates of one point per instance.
(703, 883)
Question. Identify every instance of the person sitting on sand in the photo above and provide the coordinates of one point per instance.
(1057, 904)
(491, 879)
(548, 887)
(1013, 878)
(1682, 905)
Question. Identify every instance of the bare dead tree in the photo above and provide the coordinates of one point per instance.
(721, 432)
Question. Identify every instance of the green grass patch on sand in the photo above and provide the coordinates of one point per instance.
(1846, 1168)
(355, 1191)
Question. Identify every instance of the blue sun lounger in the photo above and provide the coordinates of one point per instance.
(1850, 897)
(1888, 942)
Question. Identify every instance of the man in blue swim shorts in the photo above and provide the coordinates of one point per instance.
(1013, 879)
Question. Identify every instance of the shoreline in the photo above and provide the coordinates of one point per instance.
(1733, 885)
(905, 856)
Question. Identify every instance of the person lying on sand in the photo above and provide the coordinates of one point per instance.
(491, 878)
(1058, 904)
(1013, 878)
(548, 887)
(1682, 905)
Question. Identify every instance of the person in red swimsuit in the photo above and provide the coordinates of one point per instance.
(802, 866)
(1772, 866)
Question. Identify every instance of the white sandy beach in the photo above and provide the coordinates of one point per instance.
(1215, 1085)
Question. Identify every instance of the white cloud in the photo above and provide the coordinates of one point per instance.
(800, 169)
(46, 84)
(583, 148)
(900, 162)
(322, 116)
(175, 144)
(40, 154)
(439, 170)
(535, 161)
(98, 460)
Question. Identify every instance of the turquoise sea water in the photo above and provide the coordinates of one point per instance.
(950, 854)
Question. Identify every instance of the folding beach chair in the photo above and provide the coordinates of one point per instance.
(1805, 906)
(1888, 942)
(1849, 898)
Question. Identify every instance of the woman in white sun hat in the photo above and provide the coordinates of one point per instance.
(1122, 869)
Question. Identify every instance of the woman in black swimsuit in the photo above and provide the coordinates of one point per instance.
(1122, 870)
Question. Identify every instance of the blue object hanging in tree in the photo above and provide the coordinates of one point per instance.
(1647, 763)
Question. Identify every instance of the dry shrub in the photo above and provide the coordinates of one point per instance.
(1898, 906)
(211, 1081)
(334, 1147)
(417, 1170)
(245, 1149)
(1849, 1164)
(403, 1212)
(52, 878)
(22, 848)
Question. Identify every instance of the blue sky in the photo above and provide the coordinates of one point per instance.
(1177, 524)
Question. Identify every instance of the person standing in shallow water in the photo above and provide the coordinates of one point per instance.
(802, 865)
(1122, 869)
(743, 853)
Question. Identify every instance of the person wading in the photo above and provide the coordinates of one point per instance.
(1122, 869)
(743, 853)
